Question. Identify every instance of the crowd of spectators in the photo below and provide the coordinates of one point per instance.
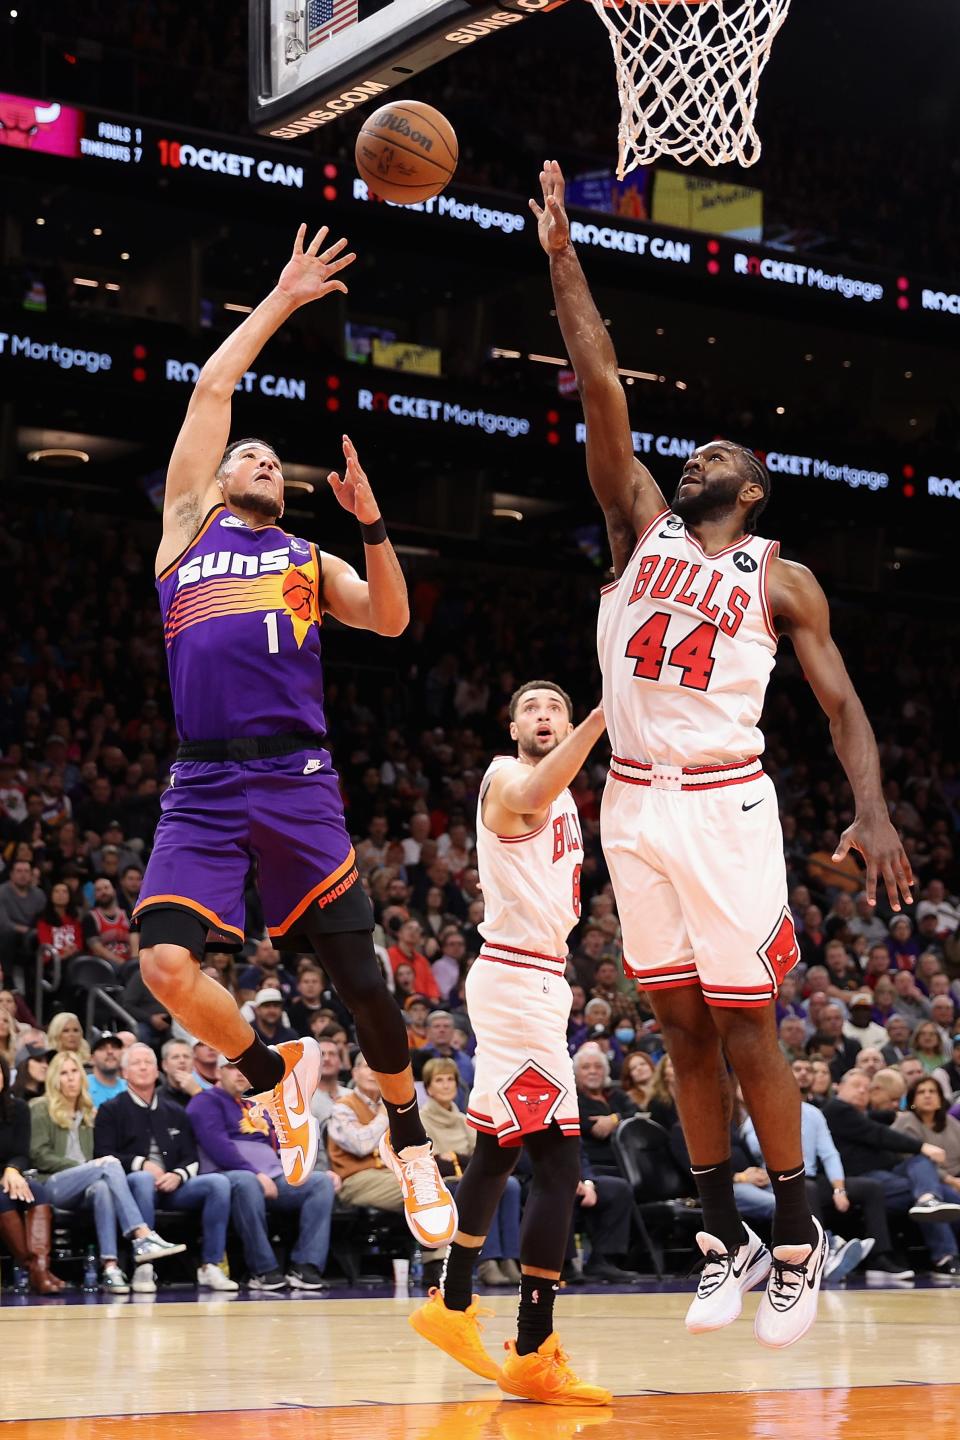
(87, 744)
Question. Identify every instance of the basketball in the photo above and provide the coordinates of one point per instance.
(298, 593)
(407, 152)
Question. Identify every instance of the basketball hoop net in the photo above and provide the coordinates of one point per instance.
(688, 73)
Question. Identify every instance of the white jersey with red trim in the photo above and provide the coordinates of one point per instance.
(686, 646)
(530, 883)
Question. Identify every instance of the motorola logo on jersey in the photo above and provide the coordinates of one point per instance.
(231, 562)
(744, 562)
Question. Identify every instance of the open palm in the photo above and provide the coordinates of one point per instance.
(308, 274)
(353, 489)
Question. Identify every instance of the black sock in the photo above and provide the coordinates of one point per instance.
(262, 1066)
(456, 1278)
(406, 1127)
(715, 1188)
(535, 1317)
(792, 1220)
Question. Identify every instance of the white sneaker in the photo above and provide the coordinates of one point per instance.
(211, 1277)
(725, 1279)
(789, 1306)
(429, 1208)
(288, 1106)
(144, 1281)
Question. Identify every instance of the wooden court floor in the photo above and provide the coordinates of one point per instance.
(877, 1363)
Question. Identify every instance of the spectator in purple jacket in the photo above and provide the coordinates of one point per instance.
(236, 1141)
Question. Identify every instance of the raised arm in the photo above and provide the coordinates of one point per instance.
(800, 607)
(378, 603)
(628, 494)
(191, 474)
(528, 790)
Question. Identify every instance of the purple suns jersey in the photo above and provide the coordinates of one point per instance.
(241, 624)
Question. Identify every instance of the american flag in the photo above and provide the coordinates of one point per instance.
(328, 17)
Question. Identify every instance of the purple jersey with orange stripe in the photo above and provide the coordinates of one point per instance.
(241, 623)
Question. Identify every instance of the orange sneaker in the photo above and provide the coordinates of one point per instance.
(428, 1205)
(457, 1332)
(546, 1376)
(288, 1106)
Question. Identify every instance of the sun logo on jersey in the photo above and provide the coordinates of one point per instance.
(299, 591)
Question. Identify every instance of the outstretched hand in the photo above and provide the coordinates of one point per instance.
(883, 854)
(553, 226)
(353, 492)
(308, 274)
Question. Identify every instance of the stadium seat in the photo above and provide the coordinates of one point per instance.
(642, 1150)
(98, 978)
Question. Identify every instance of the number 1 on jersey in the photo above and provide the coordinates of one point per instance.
(273, 634)
(693, 654)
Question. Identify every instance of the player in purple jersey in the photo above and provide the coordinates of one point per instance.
(242, 603)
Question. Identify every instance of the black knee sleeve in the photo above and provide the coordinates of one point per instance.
(546, 1218)
(478, 1193)
(350, 964)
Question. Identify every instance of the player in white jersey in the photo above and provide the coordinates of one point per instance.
(529, 853)
(687, 636)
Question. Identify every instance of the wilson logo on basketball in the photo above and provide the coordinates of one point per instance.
(390, 120)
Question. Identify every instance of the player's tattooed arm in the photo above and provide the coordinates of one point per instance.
(628, 494)
(800, 609)
(529, 790)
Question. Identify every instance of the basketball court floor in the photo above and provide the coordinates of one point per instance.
(878, 1362)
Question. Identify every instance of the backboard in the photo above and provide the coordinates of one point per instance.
(312, 61)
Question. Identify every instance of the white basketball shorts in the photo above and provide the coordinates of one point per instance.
(523, 1081)
(696, 860)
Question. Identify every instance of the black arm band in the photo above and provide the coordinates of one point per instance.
(374, 534)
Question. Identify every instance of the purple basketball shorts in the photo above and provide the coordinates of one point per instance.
(284, 813)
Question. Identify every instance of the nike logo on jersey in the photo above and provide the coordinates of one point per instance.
(754, 804)
(312, 766)
(668, 535)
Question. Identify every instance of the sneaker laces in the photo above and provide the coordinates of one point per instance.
(423, 1177)
(786, 1284)
(559, 1366)
(475, 1310)
(714, 1268)
(272, 1109)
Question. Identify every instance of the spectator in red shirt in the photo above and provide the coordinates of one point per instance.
(106, 930)
(59, 926)
(409, 937)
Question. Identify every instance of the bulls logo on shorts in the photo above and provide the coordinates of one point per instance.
(532, 1097)
(781, 951)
